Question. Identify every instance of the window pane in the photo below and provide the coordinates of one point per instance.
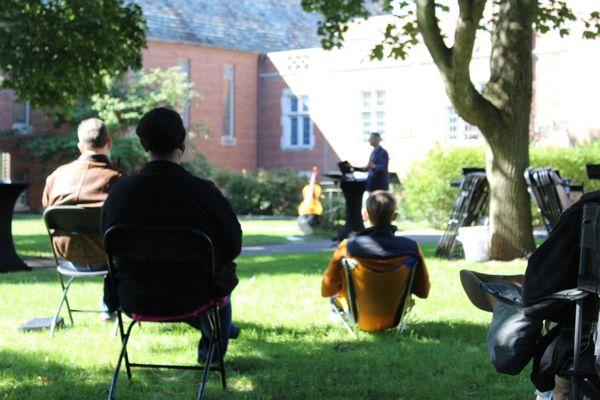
(293, 104)
(366, 120)
(365, 99)
(20, 113)
(381, 98)
(305, 103)
(380, 118)
(305, 131)
(228, 101)
(294, 131)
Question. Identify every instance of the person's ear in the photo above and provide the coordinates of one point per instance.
(81, 148)
(109, 143)
(182, 148)
(394, 216)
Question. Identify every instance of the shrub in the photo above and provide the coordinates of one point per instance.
(428, 194)
(262, 193)
(429, 197)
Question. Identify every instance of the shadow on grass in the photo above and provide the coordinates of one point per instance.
(433, 360)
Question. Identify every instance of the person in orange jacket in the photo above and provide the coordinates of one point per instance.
(377, 249)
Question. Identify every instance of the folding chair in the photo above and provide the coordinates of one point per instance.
(137, 255)
(71, 221)
(362, 285)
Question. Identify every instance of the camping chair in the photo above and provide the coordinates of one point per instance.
(136, 252)
(370, 294)
(71, 221)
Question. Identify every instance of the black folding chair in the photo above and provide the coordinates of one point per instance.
(350, 316)
(71, 221)
(156, 253)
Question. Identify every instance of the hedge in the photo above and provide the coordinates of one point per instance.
(429, 196)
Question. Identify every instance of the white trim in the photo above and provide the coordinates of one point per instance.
(229, 138)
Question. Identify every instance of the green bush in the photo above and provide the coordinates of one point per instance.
(429, 197)
(263, 193)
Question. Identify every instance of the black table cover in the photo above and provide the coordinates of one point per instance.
(353, 192)
(9, 260)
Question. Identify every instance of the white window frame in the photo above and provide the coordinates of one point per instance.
(374, 108)
(300, 114)
(23, 127)
(229, 138)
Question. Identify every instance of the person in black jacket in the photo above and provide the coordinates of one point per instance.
(163, 193)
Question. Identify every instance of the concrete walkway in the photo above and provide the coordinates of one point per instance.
(314, 246)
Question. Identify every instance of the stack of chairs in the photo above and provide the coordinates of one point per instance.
(470, 205)
(551, 193)
(593, 171)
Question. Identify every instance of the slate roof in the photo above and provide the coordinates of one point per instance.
(259, 26)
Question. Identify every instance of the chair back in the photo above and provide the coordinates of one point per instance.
(378, 292)
(589, 263)
(72, 220)
(160, 271)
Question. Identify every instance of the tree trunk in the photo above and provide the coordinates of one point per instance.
(510, 90)
(510, 207)
(501, 112)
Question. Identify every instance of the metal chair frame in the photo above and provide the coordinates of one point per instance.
(215, 344)
(54, 227)
(350, 320)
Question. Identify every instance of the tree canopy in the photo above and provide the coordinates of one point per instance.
(56, 53)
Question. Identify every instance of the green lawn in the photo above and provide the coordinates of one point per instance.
(287, 348)
(31, 239)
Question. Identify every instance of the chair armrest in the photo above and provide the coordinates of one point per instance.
(568, 294)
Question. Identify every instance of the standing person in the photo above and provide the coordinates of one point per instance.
(164, 194)
(84, 182)
(377, 167)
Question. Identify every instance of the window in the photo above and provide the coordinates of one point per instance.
(296, 122)
(228, 136)
(185, 68)
(372, 115)
(458, 129)
(21, 117)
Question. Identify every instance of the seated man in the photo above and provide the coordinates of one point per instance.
(164, 194)
(552, 267)
(377, 247)
(84, 182)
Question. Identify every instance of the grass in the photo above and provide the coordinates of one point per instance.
(31, 239)
(287, 349)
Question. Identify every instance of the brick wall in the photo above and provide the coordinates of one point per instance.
(206, 112)
(21, 161)
(271, 154)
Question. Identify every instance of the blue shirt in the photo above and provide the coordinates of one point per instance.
(378, 178)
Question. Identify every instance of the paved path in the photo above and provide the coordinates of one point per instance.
(314, 246)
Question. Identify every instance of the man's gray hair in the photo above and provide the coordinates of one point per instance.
(92, 133)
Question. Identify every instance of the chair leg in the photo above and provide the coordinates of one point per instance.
(63, 299)
(220, 354)
(209, 358)
(123, 355)
(344, 320)
(404, 322)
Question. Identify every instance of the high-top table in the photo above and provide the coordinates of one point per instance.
(9, 260)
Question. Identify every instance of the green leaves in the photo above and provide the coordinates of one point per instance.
(56, 53)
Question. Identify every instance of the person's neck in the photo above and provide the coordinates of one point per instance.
(377, 146)
(172, 157)
(95, 152)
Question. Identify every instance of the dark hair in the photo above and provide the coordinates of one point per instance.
(161, 130)
(381, 207)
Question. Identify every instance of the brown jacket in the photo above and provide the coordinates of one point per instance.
(84, 182)
(375, 280)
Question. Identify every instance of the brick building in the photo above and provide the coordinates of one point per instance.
(272, 98)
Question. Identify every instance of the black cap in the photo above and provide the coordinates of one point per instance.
(161, 130)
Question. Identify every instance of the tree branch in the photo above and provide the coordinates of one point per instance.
(432, 35)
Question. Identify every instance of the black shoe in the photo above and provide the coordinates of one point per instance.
(234, 331)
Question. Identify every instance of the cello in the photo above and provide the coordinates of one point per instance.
(310, 209)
